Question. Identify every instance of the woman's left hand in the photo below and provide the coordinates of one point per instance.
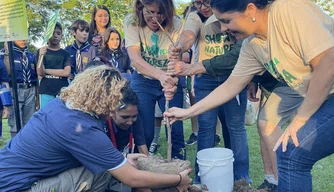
(133, 157)
(291, 131)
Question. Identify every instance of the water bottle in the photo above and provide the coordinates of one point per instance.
(5, 96)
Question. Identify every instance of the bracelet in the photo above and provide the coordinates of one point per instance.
(178, 183)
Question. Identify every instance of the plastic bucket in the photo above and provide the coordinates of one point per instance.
(216, 169)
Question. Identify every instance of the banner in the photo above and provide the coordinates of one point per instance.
(13, 20)
(51, 27)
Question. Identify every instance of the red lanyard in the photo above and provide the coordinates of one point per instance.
(113, 138)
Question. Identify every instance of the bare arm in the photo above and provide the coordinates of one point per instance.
(187, 39)
(133, 177)
(321, 82)
(40, 54)
(143, 149)
(6, 58)
(59, 72)
(181, 68)
(222, 94)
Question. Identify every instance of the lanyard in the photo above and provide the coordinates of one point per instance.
(112, 135)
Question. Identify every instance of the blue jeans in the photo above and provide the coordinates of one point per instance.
(315, 142)
(232, 114)
(149, 91)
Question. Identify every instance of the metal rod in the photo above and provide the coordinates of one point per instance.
(14, 86)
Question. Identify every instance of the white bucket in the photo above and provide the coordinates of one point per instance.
(216, 169)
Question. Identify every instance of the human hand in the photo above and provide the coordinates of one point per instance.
(6, 112)
(179, 68)
(176, 114)
(251, 92)
(174, 52)
(185, 181)
(133, 158)
(291, 131)
(168, 81)
(42, 51)
(169, 92)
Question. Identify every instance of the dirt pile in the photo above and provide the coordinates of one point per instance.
(159, 165)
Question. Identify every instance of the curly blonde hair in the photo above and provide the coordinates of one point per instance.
(96, 90)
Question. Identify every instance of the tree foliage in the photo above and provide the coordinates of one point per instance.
(326, 5)
(39, 12)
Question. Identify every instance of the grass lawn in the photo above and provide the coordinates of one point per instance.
(323, 174)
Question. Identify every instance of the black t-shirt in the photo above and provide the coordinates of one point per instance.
(59, 59)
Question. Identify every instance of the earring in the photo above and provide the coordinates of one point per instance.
(253, 19)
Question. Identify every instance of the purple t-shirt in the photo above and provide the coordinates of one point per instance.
(54, 140)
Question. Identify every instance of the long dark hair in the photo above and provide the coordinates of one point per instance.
(93, 28)
(237, 5)
(166, 8)
(106, 48)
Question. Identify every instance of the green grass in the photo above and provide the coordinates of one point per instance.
(323, 174)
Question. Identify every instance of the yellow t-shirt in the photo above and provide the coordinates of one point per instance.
(154, 45)
(210, 41)
(298, 31)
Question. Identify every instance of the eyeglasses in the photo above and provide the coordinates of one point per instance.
(198, 4)
(149, 15)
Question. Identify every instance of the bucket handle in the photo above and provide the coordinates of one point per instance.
(199, 173)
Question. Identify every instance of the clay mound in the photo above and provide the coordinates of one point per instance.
(159, 165)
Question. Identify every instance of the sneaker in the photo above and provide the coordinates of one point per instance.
(153, 149)
(217, 140)
(268, 186)
(192, 139)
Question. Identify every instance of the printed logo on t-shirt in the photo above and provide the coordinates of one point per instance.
(283, 75)
(217, 44)
(155, 52)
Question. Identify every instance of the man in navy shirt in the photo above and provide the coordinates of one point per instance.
(26, 78)
(64, 147)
